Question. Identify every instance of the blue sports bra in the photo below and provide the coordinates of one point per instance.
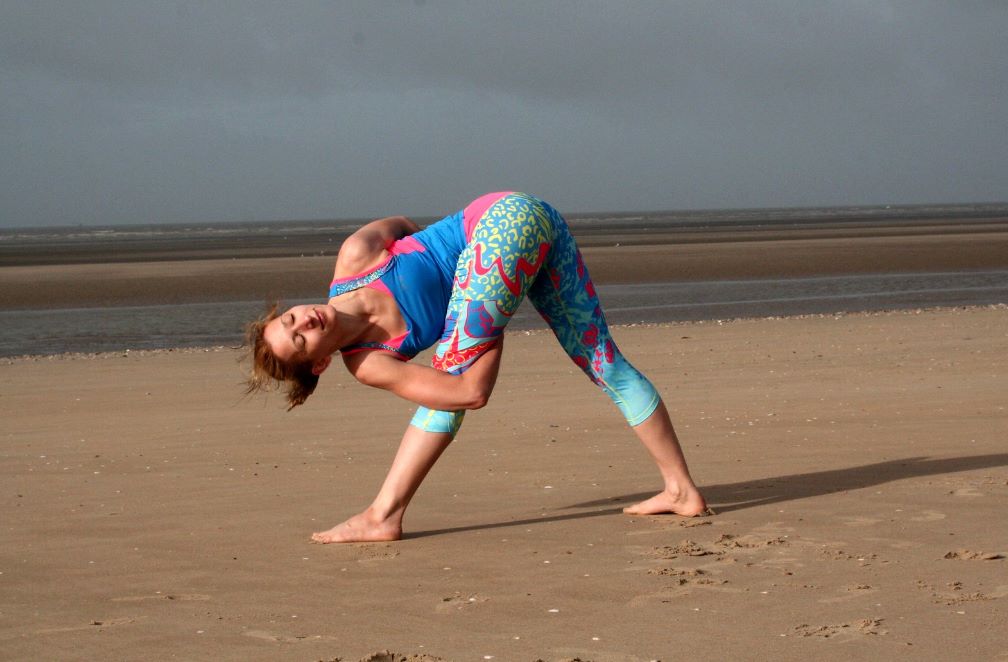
(419, 275)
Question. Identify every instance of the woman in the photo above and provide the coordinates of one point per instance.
(398, 290)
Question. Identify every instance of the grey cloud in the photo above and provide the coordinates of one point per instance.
(129, 112)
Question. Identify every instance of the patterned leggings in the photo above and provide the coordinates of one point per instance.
(521, 246)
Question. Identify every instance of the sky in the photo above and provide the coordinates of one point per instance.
(179, 112)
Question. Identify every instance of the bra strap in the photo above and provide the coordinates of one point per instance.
(364, 346)
(343, 285)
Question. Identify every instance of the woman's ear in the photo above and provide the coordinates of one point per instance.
(319, 366)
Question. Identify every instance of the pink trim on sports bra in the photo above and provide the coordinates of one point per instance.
(380, 286)
(391, 346)
(407, 244)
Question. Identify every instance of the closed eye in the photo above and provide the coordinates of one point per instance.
(296, 339)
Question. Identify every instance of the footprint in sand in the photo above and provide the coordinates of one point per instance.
(685, 548)
(376, 552)
(867, 626)
(389, 656)
(962, 598)
(678, 572)
(730, 541)
(683, 578)
(954, 594)
(968, 555)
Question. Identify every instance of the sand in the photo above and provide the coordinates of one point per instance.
(857, 462)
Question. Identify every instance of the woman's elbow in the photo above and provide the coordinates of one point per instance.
(478, 398)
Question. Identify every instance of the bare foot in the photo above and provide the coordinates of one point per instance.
(364, 527)
(688, 503)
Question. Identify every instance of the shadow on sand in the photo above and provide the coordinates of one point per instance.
(766, 491)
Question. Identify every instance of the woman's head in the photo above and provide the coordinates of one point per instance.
(292, 348)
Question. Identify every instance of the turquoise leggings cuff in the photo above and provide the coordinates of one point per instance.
(643, 414)
(432, 420)
(632, 392)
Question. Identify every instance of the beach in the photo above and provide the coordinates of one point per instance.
(857, 464)
(837, 385)
(790, 220)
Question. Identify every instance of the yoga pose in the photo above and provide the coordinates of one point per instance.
(398, 290)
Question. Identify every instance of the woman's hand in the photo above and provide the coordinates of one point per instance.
(427, 386)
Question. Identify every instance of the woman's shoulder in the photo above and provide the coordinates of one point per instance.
(358, 255)
(368, 247)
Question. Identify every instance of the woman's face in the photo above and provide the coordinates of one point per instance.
(303, 333)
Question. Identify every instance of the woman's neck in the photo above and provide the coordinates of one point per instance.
(366, 315)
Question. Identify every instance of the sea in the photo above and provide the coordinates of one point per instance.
(121, 328)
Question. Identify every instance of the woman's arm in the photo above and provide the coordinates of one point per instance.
(366, 247)
(384, 231)
(428, 386)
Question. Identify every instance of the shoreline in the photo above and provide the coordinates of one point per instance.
(205, 302)
(671, 324)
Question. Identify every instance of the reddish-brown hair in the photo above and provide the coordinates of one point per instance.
(269, 372)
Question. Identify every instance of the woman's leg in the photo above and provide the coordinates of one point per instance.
(680, 494)
(506, 250)
(522, 245)
(382, 520)
(507, 247)
(565, 296)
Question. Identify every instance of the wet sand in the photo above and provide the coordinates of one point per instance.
(611, 259)
(857, 462)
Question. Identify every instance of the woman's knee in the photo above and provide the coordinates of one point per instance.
(632, 392)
